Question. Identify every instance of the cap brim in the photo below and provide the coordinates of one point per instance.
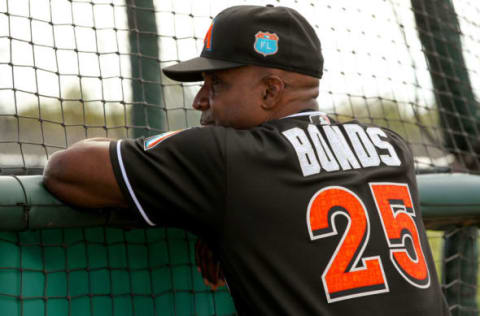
(191, 70)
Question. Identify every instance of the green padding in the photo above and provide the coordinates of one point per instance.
(26, 204)
(46, 211)
(449, 195)
(12, 205)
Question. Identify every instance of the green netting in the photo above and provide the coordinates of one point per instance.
(104, 271)
(93, 271)
(108, 271)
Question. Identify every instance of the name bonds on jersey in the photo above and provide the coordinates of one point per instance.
(333, 152)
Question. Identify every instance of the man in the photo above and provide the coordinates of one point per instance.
(307, 216)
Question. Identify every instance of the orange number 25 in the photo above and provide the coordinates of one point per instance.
(349, 274)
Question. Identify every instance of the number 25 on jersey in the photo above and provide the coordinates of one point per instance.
(348, 273)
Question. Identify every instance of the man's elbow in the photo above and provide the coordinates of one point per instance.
(59, 177)
(55, 175)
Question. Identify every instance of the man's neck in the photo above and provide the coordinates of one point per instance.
(293, 108)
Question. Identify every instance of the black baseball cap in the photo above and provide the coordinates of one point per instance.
(274, 37)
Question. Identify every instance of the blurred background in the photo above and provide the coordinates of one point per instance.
(72, 69)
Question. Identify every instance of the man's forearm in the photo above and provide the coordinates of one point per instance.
(83, 175)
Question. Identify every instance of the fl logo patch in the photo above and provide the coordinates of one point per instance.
(266, 43)
(153, 141)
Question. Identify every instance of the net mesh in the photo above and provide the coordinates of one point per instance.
(104, 271)
(457, 267)
(107, 271)
(72, 69)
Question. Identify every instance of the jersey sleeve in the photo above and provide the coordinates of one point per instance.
(175, 179)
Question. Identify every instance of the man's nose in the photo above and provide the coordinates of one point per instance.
(201, 101)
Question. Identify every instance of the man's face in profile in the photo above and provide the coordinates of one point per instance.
(231, 98)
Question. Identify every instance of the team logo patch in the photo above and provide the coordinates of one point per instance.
(153, 141)
(319, 119)
(266, 43)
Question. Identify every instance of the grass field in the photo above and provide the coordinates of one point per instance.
(435, 239)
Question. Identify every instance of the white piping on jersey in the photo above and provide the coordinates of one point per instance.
(305, 114)
(129, 187)
(132, 193)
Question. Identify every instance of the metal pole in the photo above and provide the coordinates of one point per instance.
(148, 110)
(439, 32)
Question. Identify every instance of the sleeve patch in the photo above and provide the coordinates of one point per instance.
(153, 141)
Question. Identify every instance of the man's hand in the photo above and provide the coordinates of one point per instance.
(209, 266)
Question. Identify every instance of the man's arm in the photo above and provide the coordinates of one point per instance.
(83, 175)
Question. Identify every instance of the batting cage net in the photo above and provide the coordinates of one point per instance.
(74, 69)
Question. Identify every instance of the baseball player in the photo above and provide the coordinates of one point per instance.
(306, 215)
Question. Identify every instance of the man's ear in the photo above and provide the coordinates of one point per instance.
(274, 87)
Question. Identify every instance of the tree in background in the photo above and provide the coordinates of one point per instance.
(40, 128)
(439, 32)
(419, 129)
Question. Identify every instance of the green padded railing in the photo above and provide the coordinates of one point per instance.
(445, 199)
(60, 261)
(448, 199)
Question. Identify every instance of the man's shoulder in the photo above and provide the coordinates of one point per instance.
(193, 133)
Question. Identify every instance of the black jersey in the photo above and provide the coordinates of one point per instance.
(308, 216)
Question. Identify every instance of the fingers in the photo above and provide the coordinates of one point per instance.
(214, 278)
(214, 285)
(209, 266)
